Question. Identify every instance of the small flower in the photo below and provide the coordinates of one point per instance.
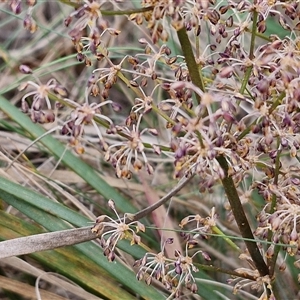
(259, 283)
(143, 104)
(195, 151)
(174, 273)
(154, 266)
(40, 94)
(128, 152)
(181, 100)
(108, 76)
(86, 15)
(203, 225)
(83, 115)
(183, 271)
(89, 16)
(28, 22)
(112, 231)
(161, 9)
(284, 222)
(152, 57)
(39, 106)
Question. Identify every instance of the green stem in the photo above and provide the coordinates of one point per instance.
(241, 219)
(224, 271)
(220, 233)
(272, 261)
(192, 66)
(251, 57)
(125, 12)
(251, 53)
(260, 35)
(245, 80)
(253, 35)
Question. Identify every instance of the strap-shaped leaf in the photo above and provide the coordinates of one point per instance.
(88, 249)
(74, 163)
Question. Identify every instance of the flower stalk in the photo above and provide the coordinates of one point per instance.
(241, 219)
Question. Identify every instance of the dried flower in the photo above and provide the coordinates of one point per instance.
(111, 231)
(83, 115)
(39, 107)
(129, 152)
(173, 273)
(202, 226)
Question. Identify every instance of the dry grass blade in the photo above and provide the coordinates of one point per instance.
(15, 263)
(26, 290)
(45, 241)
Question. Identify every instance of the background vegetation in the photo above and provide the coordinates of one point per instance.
(149, 149)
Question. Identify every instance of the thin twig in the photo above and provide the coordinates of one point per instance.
(146, 211)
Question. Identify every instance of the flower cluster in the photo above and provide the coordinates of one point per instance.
(128, 152)
(262, 284)
(16, 7)
(39, 107)
(284, 222)
(112, 231)
(155, 16)
(83, 115)
(175, 272)
(231, 99)
(89, 15)
(203, 225)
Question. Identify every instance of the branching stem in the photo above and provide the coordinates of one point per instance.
(241, 219)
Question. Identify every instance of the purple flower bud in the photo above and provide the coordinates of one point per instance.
(194, 288)
(178, 269)
(50, 117)
(111, 256)
(37, 103)
(150, 169)
(76, 130)
(226, 72)
(80, 57)
(148, 280)
(140, 275)
(205, 255)
(34, 116)
(24, 107)
(16, 7)
(64, 130)
(269, 139)
(80, 12)
(270, 252)
(294, 235)
(67, 21)
(116, 106)
(274, 221)
(284, 142)
(273, 154)
(25, 69)
(228, 117)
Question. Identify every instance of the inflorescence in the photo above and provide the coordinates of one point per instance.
(248, 113)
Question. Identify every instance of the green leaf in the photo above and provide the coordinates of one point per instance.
(67, 261)
(46, 214)
(68, 159)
